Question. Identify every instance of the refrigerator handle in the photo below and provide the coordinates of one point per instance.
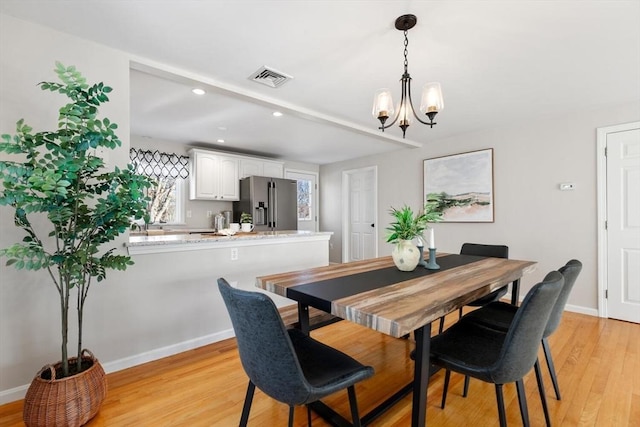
(269, 205)
(270, 212)
(275, 204)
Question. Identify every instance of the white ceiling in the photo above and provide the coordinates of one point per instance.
(499, 63)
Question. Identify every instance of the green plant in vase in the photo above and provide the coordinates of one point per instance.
(409, 225)
(406, 227)
(246, 222)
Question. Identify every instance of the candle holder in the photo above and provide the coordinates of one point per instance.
(431, 265)
(422, 262)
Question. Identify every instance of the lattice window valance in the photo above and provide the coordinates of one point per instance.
(159, 165)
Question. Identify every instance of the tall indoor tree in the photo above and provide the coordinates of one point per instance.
(57, 174)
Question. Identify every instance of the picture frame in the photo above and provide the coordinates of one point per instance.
(461, 185)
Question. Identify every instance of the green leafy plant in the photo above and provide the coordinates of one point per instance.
(56, 174)
(408, 225)
(246, 218)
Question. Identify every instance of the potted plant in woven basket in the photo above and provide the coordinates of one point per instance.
(56, 175)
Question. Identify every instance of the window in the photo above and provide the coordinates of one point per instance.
(166, 205)
(307, 198)
(304, 200)
(169, 173)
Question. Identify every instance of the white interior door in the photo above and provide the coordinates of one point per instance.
(622, 221)
(307, 198)
(359, 217)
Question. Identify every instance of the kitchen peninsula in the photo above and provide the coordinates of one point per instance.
(172, 242)
(203, 257)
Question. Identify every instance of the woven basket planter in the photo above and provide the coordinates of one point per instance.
(66, 402)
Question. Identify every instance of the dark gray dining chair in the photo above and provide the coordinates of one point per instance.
(287, 365)
(477, 249)
(499, 315)
(497, 357)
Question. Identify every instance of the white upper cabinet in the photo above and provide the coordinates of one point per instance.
(258, 167)
(273, 169)
(229, 184)
(213, 176)
(251, 167)
(216, 176)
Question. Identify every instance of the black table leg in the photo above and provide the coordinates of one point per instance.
(515, 292)
(303, 317)
(421, 376)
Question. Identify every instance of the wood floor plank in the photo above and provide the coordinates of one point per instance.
(597, 360)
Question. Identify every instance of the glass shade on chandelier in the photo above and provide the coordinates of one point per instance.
(431, 101)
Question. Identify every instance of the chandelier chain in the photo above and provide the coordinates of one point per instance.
(406, 51)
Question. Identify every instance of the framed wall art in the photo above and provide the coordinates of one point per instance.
(461, 185)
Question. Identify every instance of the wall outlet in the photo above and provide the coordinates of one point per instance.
(234, 254)
(188, 214)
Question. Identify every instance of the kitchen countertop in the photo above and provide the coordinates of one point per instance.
(197, 241)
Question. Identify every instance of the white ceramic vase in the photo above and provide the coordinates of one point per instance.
(405, 255)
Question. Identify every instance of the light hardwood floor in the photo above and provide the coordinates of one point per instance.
(598, 364)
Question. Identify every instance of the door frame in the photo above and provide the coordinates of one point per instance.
(603, 244)
(346, 214)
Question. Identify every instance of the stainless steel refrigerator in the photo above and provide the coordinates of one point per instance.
(271, 201)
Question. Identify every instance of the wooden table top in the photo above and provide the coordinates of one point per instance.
(402, 307)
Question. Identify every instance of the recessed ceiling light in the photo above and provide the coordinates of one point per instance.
(277, 114)
(221, 141)
(222, 128)
(198, 91)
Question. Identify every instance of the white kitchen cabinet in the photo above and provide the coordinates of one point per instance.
(213, 176)
(229, 184)
(251, 167)
(273, 169)
(258, 167)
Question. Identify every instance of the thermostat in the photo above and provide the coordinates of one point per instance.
(566, 186)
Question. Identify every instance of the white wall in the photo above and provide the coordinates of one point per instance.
(536, 220)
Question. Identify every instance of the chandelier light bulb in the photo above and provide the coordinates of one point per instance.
(431, 98)
(383, 104)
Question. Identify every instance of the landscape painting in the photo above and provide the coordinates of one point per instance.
(461, 186)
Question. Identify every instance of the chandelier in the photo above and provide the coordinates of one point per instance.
(430, 104)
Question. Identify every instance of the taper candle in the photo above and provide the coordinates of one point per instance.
(432, 239)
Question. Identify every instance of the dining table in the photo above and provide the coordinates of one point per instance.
(376, 294)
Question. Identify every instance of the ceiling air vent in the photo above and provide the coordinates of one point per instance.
(270, 77)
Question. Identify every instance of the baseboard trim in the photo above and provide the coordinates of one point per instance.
(582, 310)
(170, 350)
(569, 307)
(13, 394)
(18, 393)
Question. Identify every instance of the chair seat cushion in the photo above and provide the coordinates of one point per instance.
(326, 369)
(497, 315)
(476, 349)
